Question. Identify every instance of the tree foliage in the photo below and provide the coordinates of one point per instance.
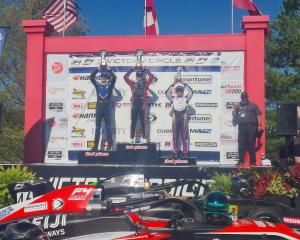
(12, 71)
(282, 67)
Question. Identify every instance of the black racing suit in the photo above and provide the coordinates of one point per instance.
(138, 100)
(104, 93)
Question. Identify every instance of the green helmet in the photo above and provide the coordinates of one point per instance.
(216, 207)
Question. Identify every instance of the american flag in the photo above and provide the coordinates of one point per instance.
(61, 14)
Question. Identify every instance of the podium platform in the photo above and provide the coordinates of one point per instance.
(126, 153)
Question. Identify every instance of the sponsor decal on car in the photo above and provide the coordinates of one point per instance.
(118, 200)
(57, 204)
(24, 196)
(80, 194)
(52, 225)
(5, 212)
(291, 220)
(35, 207)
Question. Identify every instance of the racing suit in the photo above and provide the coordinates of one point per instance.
(179, 118)
(138, 100)
(104, 93)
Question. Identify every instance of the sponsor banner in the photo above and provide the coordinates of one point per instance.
(215, 77)
(56, 127)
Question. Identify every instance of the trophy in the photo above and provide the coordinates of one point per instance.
(139, 58)
(178, 75)
(103, 59)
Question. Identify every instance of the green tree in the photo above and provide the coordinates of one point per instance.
(282, 66)
(12, 71)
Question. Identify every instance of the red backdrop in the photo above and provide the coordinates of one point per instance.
(40, 43)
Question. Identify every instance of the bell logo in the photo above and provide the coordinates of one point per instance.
(57, 67)
(57, 204)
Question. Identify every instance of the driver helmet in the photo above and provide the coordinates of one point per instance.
(104, 73)
(241, 186)
(179, 88)
(216, 207)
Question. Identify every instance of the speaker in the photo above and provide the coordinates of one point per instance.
(287, 119)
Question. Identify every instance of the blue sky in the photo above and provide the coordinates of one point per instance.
(125, 17)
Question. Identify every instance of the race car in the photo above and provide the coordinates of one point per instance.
(109, 210)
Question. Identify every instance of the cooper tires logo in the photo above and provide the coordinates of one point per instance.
(57, 67)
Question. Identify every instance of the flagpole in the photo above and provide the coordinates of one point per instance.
(231, 16)
(145, 23)
(65, 10)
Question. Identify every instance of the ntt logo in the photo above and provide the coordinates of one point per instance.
(197, 79)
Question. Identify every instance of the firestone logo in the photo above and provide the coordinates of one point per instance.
(57, 67)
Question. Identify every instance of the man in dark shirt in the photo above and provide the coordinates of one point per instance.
(248, 118)
(104, 88)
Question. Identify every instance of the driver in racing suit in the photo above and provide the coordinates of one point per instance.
(179, 114)
(104, 88)
(139, 98)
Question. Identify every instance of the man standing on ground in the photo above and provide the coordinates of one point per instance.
(248, 118)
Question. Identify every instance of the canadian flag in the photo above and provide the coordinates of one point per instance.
(150, 20)
(248, 5)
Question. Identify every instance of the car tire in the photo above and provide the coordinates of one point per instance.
(267, 214)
